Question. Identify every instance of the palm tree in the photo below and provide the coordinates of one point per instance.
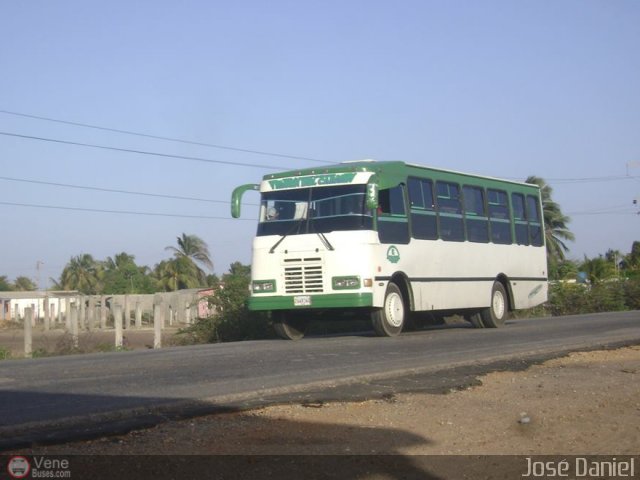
(177, 273)
(195, 250)
(82, 273)
(556, 230)
(119, 261)
(598, 269)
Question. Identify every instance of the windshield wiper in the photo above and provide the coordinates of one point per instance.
(325, 241)
(280, 240)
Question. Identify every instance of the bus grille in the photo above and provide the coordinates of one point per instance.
(303, 275)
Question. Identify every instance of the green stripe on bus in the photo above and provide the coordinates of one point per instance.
(332, 300)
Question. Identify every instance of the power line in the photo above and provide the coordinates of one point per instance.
(141, 152)
(591, 179)
(584, 179)
(112, 190)
(118, 212)
(159, 137)
(578, 214)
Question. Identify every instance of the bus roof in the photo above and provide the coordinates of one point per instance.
(390, 173)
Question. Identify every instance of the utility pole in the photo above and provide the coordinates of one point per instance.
(634, 164)
(39, 263)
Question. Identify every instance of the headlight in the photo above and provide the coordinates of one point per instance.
(346, 283)
(264, 286)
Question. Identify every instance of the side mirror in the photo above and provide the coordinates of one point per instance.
(236, 197)
(372, 194)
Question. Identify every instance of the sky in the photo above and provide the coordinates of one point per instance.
(499, 88)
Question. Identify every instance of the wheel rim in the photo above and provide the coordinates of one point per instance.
(498, 304)
(395, 309)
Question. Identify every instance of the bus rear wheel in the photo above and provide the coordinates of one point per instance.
(289, 326)
(389, 320)
(497, 312)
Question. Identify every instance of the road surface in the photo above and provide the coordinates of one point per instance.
(59, 398)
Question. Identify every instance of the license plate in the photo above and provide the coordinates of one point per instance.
(302, 301)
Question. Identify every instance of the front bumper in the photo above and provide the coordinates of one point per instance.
(320, 301)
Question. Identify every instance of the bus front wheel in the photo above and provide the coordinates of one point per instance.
(389, 320)
(289, 326)
(497, 312)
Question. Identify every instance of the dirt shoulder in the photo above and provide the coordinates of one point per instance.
(584, 403)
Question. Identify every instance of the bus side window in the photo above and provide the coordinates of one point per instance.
(500, 218)
(535, 225)
(384, 202)
(520, 218)
(393, 225)
(424, 225)
(475, 214)
(450, 212)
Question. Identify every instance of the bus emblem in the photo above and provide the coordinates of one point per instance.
(393, 254)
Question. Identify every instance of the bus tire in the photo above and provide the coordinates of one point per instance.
(289, 327)
(475, 319)
(389, 320)
(497, 313)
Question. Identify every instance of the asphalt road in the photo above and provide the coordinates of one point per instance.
(59, 398)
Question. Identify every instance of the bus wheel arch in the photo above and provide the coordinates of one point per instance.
(497, 312)
(504, 280)
(389, 320)
(404, 284)
(393, 317)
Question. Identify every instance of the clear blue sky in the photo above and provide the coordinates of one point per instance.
(500, 88)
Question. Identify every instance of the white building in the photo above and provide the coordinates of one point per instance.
(13, 304)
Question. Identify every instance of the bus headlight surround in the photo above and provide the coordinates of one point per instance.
(264, 286)
(346, 283)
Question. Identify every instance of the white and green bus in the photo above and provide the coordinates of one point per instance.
(394, 241)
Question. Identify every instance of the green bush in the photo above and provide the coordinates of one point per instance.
(611, 296)
(233, 321)
(632, 293)
(5, 353)
(567, 298)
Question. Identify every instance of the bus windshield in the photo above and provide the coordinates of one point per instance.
(314, 210)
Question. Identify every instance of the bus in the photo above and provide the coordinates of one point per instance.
(394, 241)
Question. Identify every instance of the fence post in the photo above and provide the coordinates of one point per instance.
(47, 313)
(127, 313)
(157, 326)
(138, 314)
(117, 319)
(28, 339)
(73, 314)
(67, 313)
(91, 313)
(82, 312)
(103, 312)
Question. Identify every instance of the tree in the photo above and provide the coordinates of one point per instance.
(24, 284)
(5, 285)
(566, 269)
(82, 273)
(177, 273)
(195, 250)
(633, 258)
(556, 230)
(121, 275)
(598, 269)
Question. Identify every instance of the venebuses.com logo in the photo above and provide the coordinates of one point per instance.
(18, 467)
